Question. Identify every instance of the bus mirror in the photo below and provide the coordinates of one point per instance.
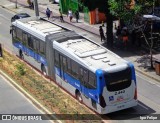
(11, 31)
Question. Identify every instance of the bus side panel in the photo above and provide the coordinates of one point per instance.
(29, 55)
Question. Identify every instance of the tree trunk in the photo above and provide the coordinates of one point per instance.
(109, 27)
(151, 54)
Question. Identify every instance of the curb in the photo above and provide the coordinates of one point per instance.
(142, 72)
(34, 101)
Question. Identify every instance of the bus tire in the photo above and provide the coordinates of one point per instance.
(43, 69)
(79, 97)
(21, 55)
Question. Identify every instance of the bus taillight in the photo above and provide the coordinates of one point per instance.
(102, 101)
(135, 94)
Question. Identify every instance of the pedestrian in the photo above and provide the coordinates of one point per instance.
(70, 15)
(60, 15)
(29, 3)
(118, 32)
(77, 15)
(133, 36)
(101, 33)
(102, 24)
(48, 13)
(125, 36)
(32, 4)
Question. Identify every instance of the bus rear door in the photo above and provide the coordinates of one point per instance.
(62, 62)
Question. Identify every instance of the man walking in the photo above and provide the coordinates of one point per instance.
(101, 33)
(48, 13)
(61, 15)
(77, 15)
(70, 15)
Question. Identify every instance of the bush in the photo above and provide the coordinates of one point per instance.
(20, 69)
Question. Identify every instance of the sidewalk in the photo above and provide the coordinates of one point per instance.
(133, 54)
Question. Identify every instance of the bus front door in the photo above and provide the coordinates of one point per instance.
(84, 80)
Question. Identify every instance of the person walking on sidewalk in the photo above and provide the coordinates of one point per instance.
(29, 3)
(101, 33)
(32, 4)
(70, 15)
(125, 36)
(77, 15)
(48, 13)
(60, 15)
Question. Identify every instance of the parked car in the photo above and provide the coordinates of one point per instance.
(19, 16)
(55, 1)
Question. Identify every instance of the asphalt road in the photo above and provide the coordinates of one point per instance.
(148, 89)
(13, 102)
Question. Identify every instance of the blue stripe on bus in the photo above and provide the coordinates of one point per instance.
(133, 71)
(100, 82)
(90, 93)
(31, 53)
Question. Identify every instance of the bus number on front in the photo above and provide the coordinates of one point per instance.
(119, 92)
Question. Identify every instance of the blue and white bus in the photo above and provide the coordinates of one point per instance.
(94, 75)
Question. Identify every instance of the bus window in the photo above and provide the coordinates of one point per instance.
(64, 64)
(74, 69)
(42, 48)
(30, 42)
(69, 65)
(56, 60)
(85, 76)
(13, 31)
(19, 34)
(118, 80)
(25, 38)
(92, 80)
(81, 74)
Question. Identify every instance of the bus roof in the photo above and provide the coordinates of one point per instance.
(37, 26)
(88, 53)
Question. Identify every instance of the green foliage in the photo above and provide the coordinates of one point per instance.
(119, 9)
(20, 69)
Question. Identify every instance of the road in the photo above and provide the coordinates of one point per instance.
(148, 96)
(13, 102)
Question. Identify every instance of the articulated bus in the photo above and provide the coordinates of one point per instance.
(91, 73)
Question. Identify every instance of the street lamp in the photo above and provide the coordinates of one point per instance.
(36, 7)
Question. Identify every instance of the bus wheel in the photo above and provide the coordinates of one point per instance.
(21, 55)
(43, 70)
(79, 97)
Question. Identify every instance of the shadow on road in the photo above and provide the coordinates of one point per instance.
(132, 113)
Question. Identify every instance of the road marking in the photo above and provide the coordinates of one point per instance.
(148, 80)
(4, 17)
(143, 106)
(158, 86)
(145, 99)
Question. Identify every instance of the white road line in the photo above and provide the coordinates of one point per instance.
(158, 86)
(149, 81)
(143, 106)
(4, 17)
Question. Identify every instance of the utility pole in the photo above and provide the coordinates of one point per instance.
(36, 7)
(16, 4)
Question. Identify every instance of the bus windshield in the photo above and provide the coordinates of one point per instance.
(118, 80)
